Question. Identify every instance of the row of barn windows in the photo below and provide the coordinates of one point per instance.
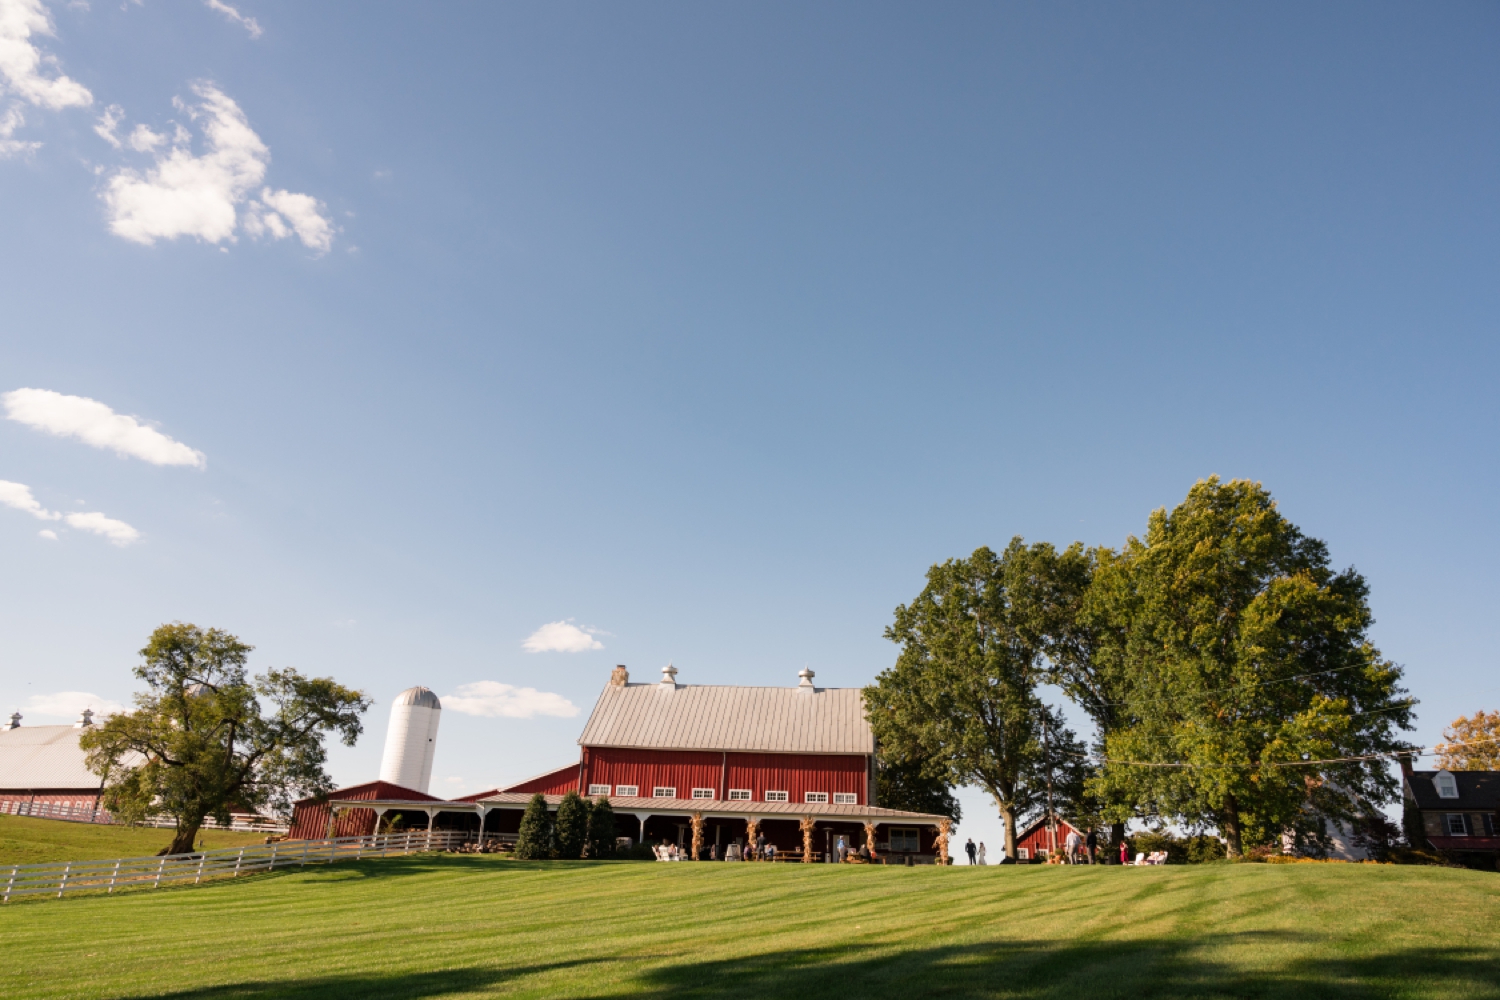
(735, 794)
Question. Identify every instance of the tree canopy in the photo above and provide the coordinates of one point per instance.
(1472, 743)
(962, 696)
(201, 741)
(1245, 661)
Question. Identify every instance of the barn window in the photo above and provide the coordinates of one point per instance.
(629, 791)
(1447, 785)
(905, 839)
(845, 799)
(776, 797)
(1458, 825)
(815, 797)
(739, 794)
(703, 793)
(598, 789)
(1023, 854)
(664, 792)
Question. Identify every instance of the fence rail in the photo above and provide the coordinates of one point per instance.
(92, 813)
(231, 862)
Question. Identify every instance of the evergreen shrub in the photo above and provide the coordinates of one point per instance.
(535, 841)
(572, 826)
(601, 831)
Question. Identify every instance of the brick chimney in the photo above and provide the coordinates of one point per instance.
(619, 676)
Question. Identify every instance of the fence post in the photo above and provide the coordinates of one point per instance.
(306, 846)
(272, 866)
(162, 864)
(237, 859)
(112, 876)
(63, 885)
(11, 884)
(201, 859)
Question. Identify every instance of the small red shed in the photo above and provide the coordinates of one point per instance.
(1036, 843)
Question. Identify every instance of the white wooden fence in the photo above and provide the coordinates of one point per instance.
(230, 862)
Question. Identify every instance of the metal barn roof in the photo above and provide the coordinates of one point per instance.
(670, 716)
(38, 757)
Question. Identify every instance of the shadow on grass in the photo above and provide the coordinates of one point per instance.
(1026, 970)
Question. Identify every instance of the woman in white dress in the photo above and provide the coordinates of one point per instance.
(981, 852)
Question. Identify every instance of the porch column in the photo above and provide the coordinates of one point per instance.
(380, 812)
(642, 817)
(333, 815)
(484, 814)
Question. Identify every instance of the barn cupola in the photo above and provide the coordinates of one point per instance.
(84, 720)
(15, 721)
(669, 676)
(806, 682)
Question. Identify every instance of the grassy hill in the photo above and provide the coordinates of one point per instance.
(28, 841)
(441, 926)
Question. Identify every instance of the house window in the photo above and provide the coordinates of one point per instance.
(815, 797)
(905, 839)
(664, 792)
(1489, 824)
(739, 794)
(598, 789)
(845, 799)
(1023, 854)
(629, 791)
(1447, 785)
(776, 797)
(1458, 825)
(703, 793)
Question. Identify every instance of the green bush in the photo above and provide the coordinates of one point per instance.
(535, 841)
(1180, 850)
(572, 826)
(601, 829)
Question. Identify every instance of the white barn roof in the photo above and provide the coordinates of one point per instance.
(44, 757)
(714, 717)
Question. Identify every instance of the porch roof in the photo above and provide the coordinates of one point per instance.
(662, 807)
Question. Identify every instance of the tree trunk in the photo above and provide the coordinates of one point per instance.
(186, 835)
(1116, 838)
(1232, 827)
(1009, 815)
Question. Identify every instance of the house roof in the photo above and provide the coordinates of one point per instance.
(1476, 790)
(723, 717)
(45, 757)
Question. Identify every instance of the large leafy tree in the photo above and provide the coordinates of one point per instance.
(962, 696)
(1247, 665)
(205, 738)
(1473, 743)
(913, 784)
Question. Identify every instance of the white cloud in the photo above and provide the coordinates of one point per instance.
(249, 23)
(22, 63)
(561, 637)
(117, 532)
(48, 534)
(493, 699)
(183, 194)
(280, 213)
(70, 704)
(19, 496)
(11, 120)
(95, 423)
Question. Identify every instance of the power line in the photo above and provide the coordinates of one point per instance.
(1414, 752)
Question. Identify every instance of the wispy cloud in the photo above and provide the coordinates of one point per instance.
(69, 705)
(202, 196)
(493, 699)
(561, 637)
(93, 422)
(48, 534)
(22, 76)
(248, 23)
(18, 495)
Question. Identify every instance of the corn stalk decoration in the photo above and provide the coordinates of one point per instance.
(807, 838)
(752, 828)
(870, 839)
(697, 836)
(945, 827)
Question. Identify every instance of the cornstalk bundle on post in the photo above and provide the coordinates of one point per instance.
(944, 828)
(697, 835)
(807, 838)
(752, 827)
(870, 839)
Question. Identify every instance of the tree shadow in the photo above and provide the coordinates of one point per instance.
(392, 986)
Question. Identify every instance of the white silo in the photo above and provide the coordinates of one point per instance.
(411, 739)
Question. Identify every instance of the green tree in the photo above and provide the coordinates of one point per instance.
(1245, 656)
(962, 695)
(536, 841)
(202, 742)
(572, 827)
(601, 833)
(912, 784)
(1473, 743)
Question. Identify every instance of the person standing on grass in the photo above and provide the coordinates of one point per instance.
(1124, 852)
(760, 845)
(1072, 843)
(981, 853)
(969, 850)
(1091, 844)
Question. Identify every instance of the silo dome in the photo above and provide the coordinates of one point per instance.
(411, 739)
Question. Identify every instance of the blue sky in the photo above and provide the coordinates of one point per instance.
(708, 328)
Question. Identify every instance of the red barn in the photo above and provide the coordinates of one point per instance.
(664, 753)
(1037, 842)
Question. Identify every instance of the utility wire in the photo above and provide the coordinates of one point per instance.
(1414, 752)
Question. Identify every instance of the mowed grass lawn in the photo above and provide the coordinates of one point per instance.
(28, 841)
(464, 926)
